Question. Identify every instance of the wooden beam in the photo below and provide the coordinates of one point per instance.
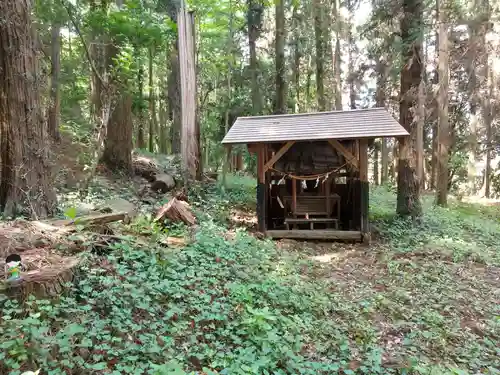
(278, 155)
(350, 158)
(326, 234)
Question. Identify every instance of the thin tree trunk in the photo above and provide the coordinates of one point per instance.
(337, 62)
(281, 72)
(320, 53)
(297, 23)
(380, 99)
(152, 104)
(408, 197)
(488, 119)
(174, 98)
(254, 19)
(473, 49)
(376, 147)
(308, 83)
(141, 143)
(55, 97)
(25, 185)
(444, 135)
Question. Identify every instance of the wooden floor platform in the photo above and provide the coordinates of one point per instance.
(323, 234)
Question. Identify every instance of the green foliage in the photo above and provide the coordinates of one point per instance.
(460, 232)
(244, 306)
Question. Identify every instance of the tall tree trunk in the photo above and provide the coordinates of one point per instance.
(141, 143)
(118, 143)
(308, 82)
(320, 53)
(488, 119)
(152, 104)
(162, 143)
(117, 154)
(408, 197)
(487, 101)
(297, 55)
(55, 97)
(337, 62)
(380, 99)
(473, 50)
(281, 72)
(444, 136)
(25, 175)
(174, 98)
(190, 138)
(254, 16)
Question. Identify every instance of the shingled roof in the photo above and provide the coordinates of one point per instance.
(352, 124)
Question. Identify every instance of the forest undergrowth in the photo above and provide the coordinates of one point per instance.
(423, 299)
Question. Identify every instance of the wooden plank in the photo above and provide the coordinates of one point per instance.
(313, 220)
(278, 155)
(326, 234)
(350, 158)
(363, 159)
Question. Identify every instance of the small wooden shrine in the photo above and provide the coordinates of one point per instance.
(313, 170)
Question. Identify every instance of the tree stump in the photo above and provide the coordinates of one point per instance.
(47, 277)
(176, 211)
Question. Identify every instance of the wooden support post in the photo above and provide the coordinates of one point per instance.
(225, 166)
(278, 155)
(349, 157)
(364, 189)
(261, 188)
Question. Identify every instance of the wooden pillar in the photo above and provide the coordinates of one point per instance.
(226, 165)
(261, 188)
(364, 188)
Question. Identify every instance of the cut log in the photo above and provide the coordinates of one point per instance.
(97, 219)
(145, 167)
(176, 211)
(163, 183)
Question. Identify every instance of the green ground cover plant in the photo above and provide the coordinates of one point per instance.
(414, 303)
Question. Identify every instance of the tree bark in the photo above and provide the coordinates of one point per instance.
(141, 143)
(337, 62)
(190, 137)
(297, 55)
(380, 99)
(152, 104)
(55, 97)
(443, 124)
(281, 72)
(117, 154)
(408, 197)
(24, 143)
(320, 53)
(174, 98)
(254, 17)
